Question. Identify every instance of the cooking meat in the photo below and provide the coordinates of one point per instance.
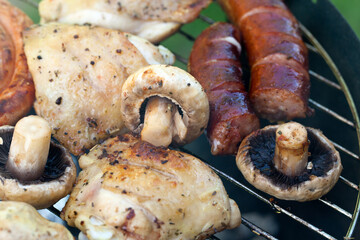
(214, 62)
(78, 73)
(280, 83)
(130, 189)
(153, 20)
(17, 92)
(20, 221)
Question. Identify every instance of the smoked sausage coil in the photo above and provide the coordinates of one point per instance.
(214, 62)
(17, 92)
(280, 82)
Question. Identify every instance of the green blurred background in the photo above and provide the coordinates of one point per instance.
(350, 9)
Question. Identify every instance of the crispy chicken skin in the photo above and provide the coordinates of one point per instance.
(152, 20)
(17, 92)
(129, 189)
(78, 73)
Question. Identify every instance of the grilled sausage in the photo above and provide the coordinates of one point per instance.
(280, 83)
(17, 92)
(214, 62)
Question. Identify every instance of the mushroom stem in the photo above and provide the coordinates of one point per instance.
(162, 122)
(291, 150)
(29, 148)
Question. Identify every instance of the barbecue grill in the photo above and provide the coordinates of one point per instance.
(334, 54)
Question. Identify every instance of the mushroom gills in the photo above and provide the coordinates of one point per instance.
(29, 148)
(162, 122)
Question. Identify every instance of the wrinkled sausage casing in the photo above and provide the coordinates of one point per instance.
(17, 92)
(214, 62)
(280, 83)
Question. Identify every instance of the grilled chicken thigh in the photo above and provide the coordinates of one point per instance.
(20, 221)
(150, 19)
(130, 189)
(78, 73)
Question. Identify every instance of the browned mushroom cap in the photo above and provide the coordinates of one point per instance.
(21, 221)
(272, 160)
(55, 182)
(181, 115)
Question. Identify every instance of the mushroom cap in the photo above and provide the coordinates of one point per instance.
(172, 83)
(255, 161)
(21, 221)
(55, 183)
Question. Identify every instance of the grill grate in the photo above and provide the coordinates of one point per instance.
(316, 48)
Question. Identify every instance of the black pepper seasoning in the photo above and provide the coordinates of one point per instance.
(58, 101)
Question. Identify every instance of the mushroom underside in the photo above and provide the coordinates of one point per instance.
(321, 159)
(55, 182)
(142, 109)
(55, 165)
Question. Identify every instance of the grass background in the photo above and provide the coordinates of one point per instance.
(350, 9)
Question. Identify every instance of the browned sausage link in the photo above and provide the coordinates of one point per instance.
(214, 62)
(17, 91)
(280, 83)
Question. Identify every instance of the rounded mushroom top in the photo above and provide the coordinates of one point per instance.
(256, 156)
(168, 82)
(55, 182)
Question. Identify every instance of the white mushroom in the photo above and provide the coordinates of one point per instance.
(289, 162)
(177, 110)
(32, 168)
(291, 149)
(29, 148)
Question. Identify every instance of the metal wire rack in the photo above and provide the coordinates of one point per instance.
(354, 124)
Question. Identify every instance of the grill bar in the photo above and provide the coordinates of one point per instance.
(332, 113)
(353, 185)
(324, 80)
(345, 150)
(206, 19)
(255, 229)
(336, 207)
(311, 48)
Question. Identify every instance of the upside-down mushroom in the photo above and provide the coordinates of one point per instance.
(33, 169)
(21, 221)
(177, 110)
(290, 162)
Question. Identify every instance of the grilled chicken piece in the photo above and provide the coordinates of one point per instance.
(20, 221)
(78, 73)
(130, 189)
(151, 19)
